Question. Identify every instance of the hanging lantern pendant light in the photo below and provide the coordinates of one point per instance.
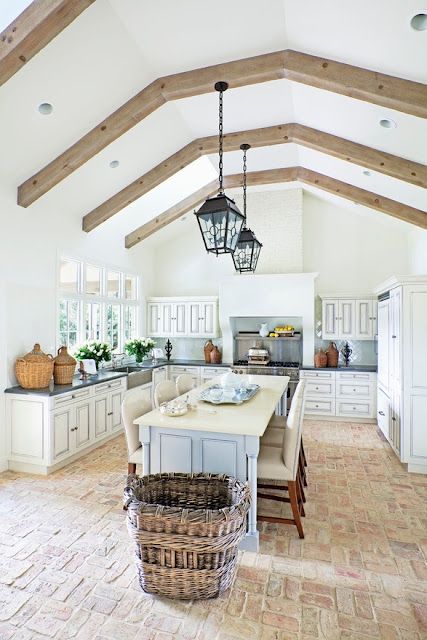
(220, 220)
(248, 248)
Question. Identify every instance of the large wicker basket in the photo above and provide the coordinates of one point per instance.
(64, 367)
(186, 529)
(34, 370)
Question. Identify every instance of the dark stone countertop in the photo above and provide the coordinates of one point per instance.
(353, 367)
(103, 376)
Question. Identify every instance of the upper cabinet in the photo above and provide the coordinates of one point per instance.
(184, 317)
(349, 318)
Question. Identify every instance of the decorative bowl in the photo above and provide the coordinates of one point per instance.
(173, 409)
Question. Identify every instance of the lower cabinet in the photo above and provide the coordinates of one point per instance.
(177, 370)
(45, 431)
(343, 394)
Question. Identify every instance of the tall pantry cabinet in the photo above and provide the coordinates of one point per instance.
(402, 368)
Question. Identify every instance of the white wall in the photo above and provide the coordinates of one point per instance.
(182, 266)
(29, 246)
(352, 249)
(418, 251)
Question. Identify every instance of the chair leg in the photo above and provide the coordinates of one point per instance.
(300, 496)
(302, 468)
(303, 453)
(131, 467)
(294, 506)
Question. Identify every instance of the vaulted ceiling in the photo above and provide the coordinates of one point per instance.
(109, 51)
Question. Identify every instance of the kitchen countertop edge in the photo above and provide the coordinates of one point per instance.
(371, 368)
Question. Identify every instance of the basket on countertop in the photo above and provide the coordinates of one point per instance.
(64, 367)
(34, 370)
(186, 529)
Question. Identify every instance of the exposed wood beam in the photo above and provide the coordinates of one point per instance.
(287, 174)
(380, 161)
(396, 93)
(33, 29)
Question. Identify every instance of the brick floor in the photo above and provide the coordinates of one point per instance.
(66, 567)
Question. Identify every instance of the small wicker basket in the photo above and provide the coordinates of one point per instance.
(34, 370)
(186, 529)
(64, 367)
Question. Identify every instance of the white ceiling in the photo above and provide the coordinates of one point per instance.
(116, 47)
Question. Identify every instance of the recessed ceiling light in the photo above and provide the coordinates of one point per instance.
(419, 22)
(114, 164)
(367, 173)
(45, 108)
(387, 123)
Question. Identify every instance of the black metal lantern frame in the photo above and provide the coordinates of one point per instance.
(248, 248)
(220, 220)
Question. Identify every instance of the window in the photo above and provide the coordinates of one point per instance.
(96, 303)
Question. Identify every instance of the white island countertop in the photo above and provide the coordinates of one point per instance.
(249, 418)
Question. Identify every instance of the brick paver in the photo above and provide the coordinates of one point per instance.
(66, 567)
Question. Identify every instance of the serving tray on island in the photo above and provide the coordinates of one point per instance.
(216, 394)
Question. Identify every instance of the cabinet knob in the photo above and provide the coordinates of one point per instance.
(354, 389)
(393, 418)
(73, 429)
(394, 336)
(317, 388)
(317, 406)
(110, 413)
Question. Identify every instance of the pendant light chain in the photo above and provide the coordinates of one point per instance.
(244, 186)
(221, 130)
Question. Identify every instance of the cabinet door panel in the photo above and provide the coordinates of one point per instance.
(194, 318)
(384, 344)
(166, 315)
(82, 425)
(329, 319)
(180, 319)
(364, 320)
(208, 322)
(61, 433)
(101, 422)
(346, 312)
(115, 410)
(383, 413)
(153, 318)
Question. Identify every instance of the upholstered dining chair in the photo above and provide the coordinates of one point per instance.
(184, 383)
(281, 464)
(135, 403)
(164, 392)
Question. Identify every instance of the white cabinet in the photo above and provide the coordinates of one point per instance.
(348, 319)
(185, 317)
(402, 354)
(343, 394)
(45, 432)
(207, 373)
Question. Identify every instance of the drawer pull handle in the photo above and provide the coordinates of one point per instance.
(110, 413)
(381, 413)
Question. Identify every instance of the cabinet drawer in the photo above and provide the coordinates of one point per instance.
(320, 388)
(358, 375)
(354, 390)
(183, 369)
(362, 409)
(103, 387)
(212, 372)
(67, 398)
(320, 407)
(322, 375)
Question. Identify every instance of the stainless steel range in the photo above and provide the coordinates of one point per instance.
(273, 368)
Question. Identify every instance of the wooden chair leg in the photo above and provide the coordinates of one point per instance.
(300, 496)
(131, 467)
(303, 453)
(302, 468)
(294, 506)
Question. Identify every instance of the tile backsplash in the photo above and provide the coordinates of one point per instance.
(364, 351)
(188, 348)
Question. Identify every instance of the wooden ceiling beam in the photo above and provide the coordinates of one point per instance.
(359, 154)
(355, 82)
(33, 29)
(271, 176)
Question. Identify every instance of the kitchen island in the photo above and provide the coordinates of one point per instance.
(214, 438)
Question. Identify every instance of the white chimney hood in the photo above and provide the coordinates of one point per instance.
(272, 295)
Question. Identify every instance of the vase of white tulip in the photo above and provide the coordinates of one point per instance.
(139, 347)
